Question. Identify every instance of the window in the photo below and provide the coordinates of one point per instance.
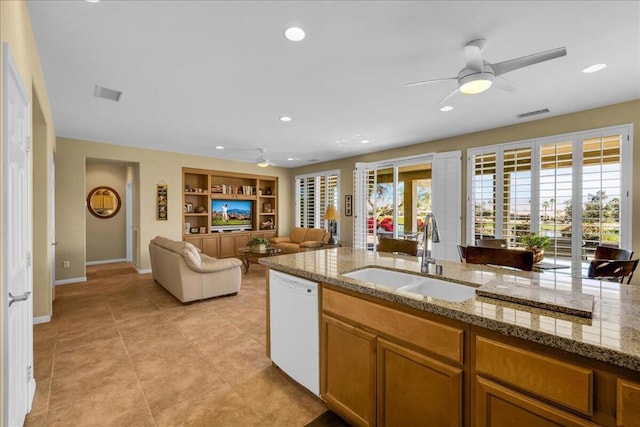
(392, 198)
(554, 186)
(314, 193)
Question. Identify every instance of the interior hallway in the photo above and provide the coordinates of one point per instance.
(121, 350)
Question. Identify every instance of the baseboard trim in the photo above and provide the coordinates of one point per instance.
(106, 261)
(143, 271)
(42, 319)
(69, 281)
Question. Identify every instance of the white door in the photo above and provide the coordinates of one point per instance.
(19, 386)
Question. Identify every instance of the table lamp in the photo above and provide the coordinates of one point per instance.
(331, 215)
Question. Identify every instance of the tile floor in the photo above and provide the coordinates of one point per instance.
(122, 351)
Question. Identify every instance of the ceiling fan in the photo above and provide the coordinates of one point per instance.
(477, 76)
(262, 161)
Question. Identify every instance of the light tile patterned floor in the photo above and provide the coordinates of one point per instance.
(122, 351)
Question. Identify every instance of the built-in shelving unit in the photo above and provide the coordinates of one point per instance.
(202, 189)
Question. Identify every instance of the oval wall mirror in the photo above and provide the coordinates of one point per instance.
(103, 202)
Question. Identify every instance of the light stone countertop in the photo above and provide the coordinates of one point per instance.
(612, 335)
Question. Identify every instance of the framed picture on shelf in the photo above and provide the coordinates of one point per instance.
(188, 207)
(202, 230)
(187, 227)
(348, 205)
(195, 230)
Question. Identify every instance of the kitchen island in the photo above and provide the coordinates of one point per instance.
(498, 360)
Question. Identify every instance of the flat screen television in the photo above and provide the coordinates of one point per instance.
(231, 215)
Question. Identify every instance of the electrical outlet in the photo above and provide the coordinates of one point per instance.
(66, 264)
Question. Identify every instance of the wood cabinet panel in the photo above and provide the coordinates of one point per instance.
(416, 390)
(560, 382)
(194, 240)
(628, 403)
(347, 380)
(227, 245)
(499, 406)
(211, 246)
(444, 340)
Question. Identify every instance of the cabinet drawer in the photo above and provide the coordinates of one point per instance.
(552, 379)
(444, 340)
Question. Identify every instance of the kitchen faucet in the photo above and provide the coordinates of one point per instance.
(431, 236)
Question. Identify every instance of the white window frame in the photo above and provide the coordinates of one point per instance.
(446, 190)
(318, 213)
(577, 138)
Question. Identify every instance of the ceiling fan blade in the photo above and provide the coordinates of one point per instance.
(525, 61)
(449, 95)
(430, 81)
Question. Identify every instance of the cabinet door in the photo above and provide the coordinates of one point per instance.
(416, 390)
(195, 241)
(211, 246)
(348, 371)
(628, 412)
(242, 240)
(227, 245)
(499, 406)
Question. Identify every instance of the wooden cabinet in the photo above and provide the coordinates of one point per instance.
(561, 383)
(348, 371)
(628, 403)
(500, 406)
(203, 187)
(373, 371)
(414, 389)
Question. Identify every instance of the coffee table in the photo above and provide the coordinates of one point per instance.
(252, 254)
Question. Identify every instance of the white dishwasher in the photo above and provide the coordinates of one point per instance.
(293, 311)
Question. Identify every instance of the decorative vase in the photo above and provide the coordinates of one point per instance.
(262, 248)
(538, 254)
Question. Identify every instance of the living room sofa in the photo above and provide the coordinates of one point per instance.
(189, 275)
(302, 239)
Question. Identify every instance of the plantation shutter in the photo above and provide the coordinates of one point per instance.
(446, 203)
(363, 209)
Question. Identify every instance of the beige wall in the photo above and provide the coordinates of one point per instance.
(153, 167)
(106, 237)
(617, 114)
(16, 31)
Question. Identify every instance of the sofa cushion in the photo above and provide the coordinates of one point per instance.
(311, 244)
(289, 248)
(298, 234)
(316, 235)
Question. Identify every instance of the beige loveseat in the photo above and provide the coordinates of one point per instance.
(190, 275)
(302, 239)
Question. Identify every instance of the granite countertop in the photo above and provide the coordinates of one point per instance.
(612, 335)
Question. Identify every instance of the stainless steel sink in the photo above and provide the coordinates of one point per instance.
(413, 283)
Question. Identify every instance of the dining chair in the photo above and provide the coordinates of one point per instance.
(516, 258)
(608, 252)
(615, 270)
(492, 243)
(402, 246)
(462, 252)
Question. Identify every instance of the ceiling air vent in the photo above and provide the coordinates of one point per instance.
(532, 113)
(106, 93)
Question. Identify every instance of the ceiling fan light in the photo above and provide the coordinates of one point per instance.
(262, 163)
(475, 86)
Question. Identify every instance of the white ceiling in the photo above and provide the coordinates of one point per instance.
(196, 74)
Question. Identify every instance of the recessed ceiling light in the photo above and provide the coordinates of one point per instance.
(219, 147)
(294, 34)
(365, 141)
(593, 68)
(92, 1)
(446, 108)
(285, 119)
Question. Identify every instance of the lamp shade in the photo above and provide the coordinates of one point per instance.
(331, 213)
